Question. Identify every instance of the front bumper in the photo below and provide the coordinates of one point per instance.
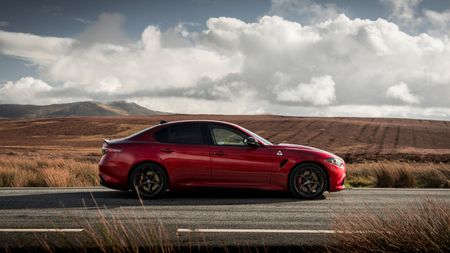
(337, 177)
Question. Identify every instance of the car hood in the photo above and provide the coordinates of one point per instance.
(289, 146)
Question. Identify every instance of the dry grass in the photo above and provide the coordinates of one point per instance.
(111, 234)
(19, 171)
(62, 169)
(423, 226)
(399, 174)
(419, 227)
(139, 231)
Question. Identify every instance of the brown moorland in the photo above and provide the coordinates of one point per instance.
(378, 151)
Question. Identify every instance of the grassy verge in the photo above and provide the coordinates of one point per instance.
(22, 170)
(19, 171)
(398, 174)
(419, 227)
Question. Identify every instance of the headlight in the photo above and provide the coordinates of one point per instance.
(336, 161)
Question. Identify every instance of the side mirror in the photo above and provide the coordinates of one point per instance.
(250, 141)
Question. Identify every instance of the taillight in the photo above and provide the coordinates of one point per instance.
(110, 150)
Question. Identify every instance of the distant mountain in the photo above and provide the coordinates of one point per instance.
(117, 108)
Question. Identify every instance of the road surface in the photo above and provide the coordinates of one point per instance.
(204, 217)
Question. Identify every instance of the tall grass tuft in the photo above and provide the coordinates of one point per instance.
(111, 234)
(397, 174)
(17, 171)
(418, 227)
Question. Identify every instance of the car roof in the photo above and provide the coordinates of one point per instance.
(198, 121)
(165, 124)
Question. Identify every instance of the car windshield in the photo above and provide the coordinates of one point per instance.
(266, 142)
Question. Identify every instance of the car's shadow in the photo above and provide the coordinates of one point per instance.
(112, 199)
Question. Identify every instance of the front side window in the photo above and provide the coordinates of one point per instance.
(227, 136)
(181, 134)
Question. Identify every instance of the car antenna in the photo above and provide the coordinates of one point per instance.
(162, 122)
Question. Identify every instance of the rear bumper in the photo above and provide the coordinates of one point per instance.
(112, 174)
(110, 185)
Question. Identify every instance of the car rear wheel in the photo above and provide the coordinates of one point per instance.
(148, 180)
(308, 181)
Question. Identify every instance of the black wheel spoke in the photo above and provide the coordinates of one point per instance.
(149, 188)
(304, 184)
(309, 187)
(309, 181)
(315, 184)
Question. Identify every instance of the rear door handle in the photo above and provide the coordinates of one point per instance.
(220, 153)
(167, 150)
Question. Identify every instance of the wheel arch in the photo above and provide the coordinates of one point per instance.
(311, 162)
(147, 161)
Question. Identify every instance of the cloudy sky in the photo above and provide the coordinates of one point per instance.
(370, 58)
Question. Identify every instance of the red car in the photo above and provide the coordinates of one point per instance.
(203, 153)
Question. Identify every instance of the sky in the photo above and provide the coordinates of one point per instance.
(363, 58)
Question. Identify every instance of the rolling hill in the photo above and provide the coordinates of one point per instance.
(88, 108)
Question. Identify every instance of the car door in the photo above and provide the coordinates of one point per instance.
(184, 152)
(233, 161)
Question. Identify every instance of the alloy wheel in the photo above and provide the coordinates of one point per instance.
(148, 181)
(308, 181)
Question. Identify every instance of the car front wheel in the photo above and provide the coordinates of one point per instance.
(308, 181)
(148, 180)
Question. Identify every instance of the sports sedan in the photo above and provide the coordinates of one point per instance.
(185, 154)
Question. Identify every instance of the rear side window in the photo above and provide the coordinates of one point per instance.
(162, 135)
(181, 134)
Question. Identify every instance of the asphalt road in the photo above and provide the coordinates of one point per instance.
(204, 217)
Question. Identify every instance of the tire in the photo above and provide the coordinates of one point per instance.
(148, 181)
(308, 181)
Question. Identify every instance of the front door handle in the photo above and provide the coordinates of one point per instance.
(220, 153)
(167, 150)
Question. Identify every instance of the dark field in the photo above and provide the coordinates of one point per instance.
(351, 138)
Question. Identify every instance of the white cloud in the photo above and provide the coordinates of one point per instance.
(401, 92)
(412, 18)
(272, 65)
(403, 12)
(320, 91)
(108, 29)
(438, 18)
(439, 21)
(304, 10)
(83, 20)
(37, 49)
(26, 90)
